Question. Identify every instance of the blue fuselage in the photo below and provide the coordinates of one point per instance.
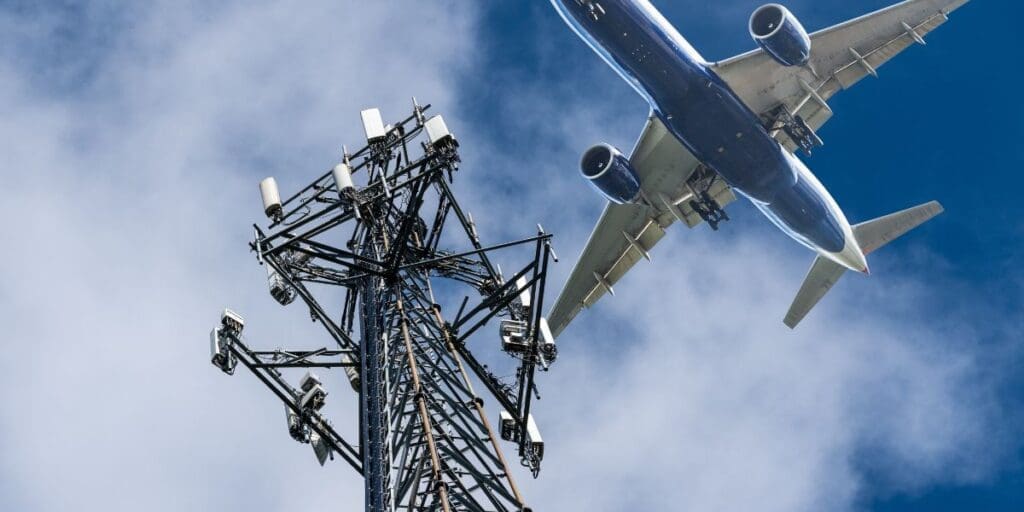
(707, 117)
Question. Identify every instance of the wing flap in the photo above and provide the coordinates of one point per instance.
(608, 254)
(873, 55)
(841, 56)
(632, 252)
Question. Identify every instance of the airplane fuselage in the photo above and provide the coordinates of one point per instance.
(715, 125)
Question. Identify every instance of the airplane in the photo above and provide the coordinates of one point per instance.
(720, 128)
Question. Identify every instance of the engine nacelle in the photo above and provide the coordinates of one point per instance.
(611, 174)
(779, 33)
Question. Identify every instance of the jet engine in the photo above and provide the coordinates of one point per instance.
(611, 174)
(779, 33)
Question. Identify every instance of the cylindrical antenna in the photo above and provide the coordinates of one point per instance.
(343, 178)
(271, 198)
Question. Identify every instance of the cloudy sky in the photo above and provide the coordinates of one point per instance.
(134, 134)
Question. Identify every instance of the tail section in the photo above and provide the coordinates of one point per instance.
(874, 234)
(871, 236)
(823, 274)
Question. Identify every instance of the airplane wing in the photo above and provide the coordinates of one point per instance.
(840, 57)
(626, 233)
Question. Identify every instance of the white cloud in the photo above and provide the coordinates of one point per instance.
(132, 198)
(701, 399)
(130, 201)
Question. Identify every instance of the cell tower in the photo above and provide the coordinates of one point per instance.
(425, 442)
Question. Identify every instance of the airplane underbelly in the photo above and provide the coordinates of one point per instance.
(726, 139)
(692, 101)
(804, 213)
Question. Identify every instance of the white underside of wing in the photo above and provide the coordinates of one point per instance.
(626, 234)
(841, 56)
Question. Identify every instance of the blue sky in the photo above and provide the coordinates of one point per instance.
(136, 134)
(939, 124)
(926, 130)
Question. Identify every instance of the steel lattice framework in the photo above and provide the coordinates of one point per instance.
(425, 439)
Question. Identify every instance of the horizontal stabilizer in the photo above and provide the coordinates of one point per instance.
(823, 274)
(874, 234)
(871, 236)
